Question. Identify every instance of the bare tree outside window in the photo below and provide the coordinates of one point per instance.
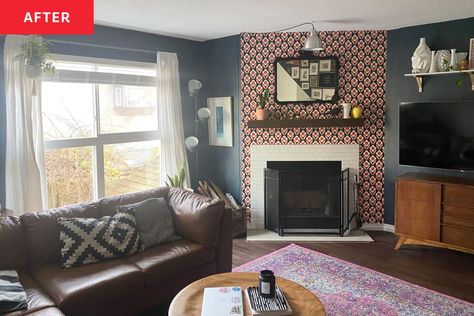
(100, 139)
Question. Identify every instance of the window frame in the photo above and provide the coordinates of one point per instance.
(98, 141)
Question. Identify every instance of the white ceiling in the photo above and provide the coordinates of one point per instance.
(209, 19)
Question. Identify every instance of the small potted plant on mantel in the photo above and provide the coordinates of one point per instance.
(261, 113)
(35, 53)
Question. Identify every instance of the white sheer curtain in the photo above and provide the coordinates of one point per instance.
(170, 117)
(24, 170)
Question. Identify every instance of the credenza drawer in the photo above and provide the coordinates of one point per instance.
(457, 236)
(458, 195)
(457, 221)
(459, 211)
(418, 191)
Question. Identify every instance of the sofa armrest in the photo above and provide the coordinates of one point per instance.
(224, 244)
(196, 217)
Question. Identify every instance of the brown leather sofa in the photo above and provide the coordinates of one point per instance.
(122, 286)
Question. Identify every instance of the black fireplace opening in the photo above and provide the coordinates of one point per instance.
(304, 197)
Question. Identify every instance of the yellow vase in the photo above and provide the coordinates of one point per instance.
(356, 112)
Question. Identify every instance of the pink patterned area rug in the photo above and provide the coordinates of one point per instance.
(349, 289)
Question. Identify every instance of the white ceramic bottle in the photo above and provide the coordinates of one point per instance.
(433, 62)
(453, 65)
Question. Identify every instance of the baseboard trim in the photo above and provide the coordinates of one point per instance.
(378, 227)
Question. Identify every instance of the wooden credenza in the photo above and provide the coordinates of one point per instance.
(436, 211)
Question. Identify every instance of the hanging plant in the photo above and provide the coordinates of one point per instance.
(35, 54)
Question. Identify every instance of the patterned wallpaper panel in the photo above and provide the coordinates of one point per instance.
(362, 56)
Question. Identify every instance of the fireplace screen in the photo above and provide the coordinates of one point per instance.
(303, 196)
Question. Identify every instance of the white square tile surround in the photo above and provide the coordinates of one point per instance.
(260, 154)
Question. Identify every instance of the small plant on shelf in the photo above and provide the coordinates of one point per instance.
(261, 113)
(445, 65)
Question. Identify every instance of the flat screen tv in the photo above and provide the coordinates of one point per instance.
(437, 134)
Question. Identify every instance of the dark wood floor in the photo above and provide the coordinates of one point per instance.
(445, 271)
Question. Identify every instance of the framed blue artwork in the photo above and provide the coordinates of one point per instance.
(220, 121)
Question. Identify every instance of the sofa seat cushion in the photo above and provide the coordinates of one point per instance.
(90, 284)
(167, 260)
(36, 297)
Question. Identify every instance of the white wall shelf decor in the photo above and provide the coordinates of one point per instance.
(419, 76)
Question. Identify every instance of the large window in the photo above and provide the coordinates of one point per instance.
(100, 129)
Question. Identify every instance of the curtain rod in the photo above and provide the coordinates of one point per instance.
(103, 46)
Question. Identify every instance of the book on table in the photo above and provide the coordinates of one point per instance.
(275, 306)
(222, 301)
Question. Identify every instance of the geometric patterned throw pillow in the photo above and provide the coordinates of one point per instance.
(12, 294)
(88, 240)
(154, 221)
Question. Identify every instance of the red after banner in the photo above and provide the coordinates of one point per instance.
(47, 17)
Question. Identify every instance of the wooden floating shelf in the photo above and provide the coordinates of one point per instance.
(331, 122)
(419, 76)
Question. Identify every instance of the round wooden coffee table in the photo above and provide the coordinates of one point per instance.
(189, 301)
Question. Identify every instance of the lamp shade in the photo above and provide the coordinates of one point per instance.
(191, 143)
(313, 42)
(194, 86)
(204, 114)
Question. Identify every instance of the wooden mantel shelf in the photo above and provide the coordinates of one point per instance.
(331, 122)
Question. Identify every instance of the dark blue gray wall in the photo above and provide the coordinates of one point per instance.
(401, 45)
(222, 79)
(188, 52)
(217, 64)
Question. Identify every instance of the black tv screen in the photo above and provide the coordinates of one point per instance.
(437, 134)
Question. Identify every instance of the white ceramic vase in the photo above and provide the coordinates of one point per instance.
(442, 60)
(433, 62)
(420, 62)
(346, 110)
(453, 65)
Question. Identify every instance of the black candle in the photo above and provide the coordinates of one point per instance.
(267, 283)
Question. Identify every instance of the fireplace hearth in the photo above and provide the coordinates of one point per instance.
(306, 197)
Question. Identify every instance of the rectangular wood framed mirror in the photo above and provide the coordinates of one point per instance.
(306, 79)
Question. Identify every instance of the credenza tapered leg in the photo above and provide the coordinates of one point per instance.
(400, 242)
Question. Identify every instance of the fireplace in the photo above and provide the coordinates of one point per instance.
(305, 197)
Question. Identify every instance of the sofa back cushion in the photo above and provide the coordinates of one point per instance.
(196, 217)
(42, 232)
(108, 206)
(12, 247)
